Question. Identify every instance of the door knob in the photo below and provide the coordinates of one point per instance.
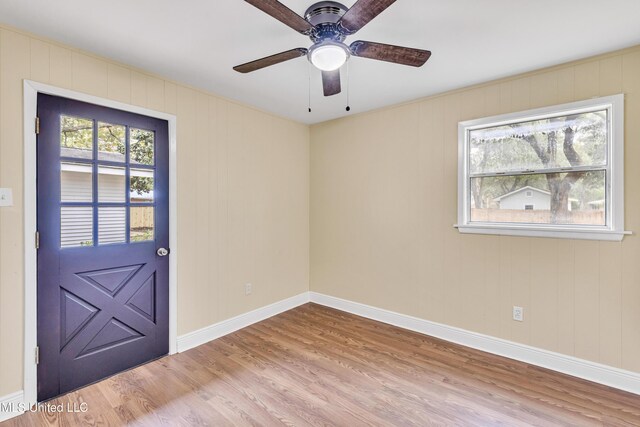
(162, 252)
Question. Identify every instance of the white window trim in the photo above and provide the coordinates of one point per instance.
(613, 230)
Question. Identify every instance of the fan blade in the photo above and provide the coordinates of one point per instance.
(270, 60)
(331, 82)
(390, 53)
(283, 14)
(361, 13)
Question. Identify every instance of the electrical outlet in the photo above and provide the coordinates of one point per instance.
(248, 288)
(518, 313)
(6, 197)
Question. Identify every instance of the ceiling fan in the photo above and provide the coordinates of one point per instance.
(328, 23)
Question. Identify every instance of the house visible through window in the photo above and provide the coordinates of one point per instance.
(565, 161)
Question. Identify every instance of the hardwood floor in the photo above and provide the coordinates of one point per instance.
(318, 366)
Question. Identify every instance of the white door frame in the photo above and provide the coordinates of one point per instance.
(31, 91)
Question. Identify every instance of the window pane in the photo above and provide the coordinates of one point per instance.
(576, 198)
(76, 182)
(141, 147)
(112, 225)
(141, 223)
(111, 142)
(141, 185)
(111, 185)
(76, 137)
(76, 226)
(573, 140)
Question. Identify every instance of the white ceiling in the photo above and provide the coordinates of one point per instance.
(199, 41)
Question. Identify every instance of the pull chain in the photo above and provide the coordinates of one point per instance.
(348, 84)
(309, 83)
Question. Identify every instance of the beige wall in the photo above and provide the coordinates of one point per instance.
(243, 184)
(383, 205)
(383, 202)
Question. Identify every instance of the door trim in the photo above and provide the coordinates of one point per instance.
(31, 91)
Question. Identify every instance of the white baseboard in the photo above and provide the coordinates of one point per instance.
(217, 330)
(11, 405)
(607, 375)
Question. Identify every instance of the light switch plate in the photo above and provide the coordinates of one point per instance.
(6, 197)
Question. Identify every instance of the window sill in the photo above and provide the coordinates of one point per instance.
(573, 233)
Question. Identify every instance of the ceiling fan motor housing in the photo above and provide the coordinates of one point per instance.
(324, 16)
(325, 12)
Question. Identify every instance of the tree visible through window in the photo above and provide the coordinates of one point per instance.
(504, 159)
(560, 162)
(77, 134)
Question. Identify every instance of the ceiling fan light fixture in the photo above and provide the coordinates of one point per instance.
(328, 56)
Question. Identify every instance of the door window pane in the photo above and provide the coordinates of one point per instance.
(141, 223)
(76, 226)
(112, 225)
(111, 142)
(141, 186)
(111, 185)
(76, 182)
(76, 137)
(141, 146)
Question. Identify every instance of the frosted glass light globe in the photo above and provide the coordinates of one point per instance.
(329, 57)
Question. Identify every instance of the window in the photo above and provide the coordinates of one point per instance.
(119, 204)
(567, 160)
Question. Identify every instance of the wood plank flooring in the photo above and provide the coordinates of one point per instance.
(318, 366)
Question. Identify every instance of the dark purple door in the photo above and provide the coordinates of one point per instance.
(103, 222)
